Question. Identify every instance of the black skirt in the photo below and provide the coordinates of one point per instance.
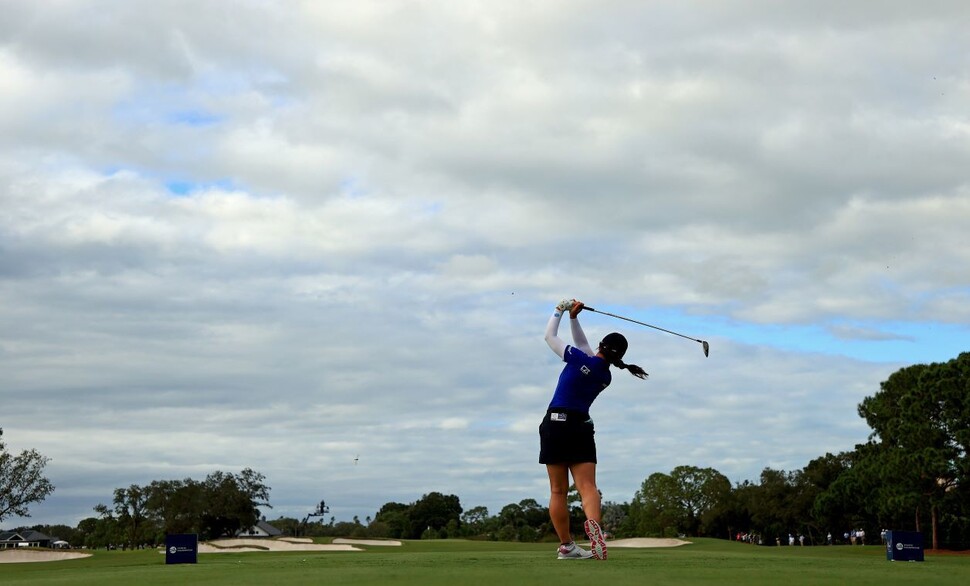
(566, 437)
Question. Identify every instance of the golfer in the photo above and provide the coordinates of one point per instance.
(566, 432)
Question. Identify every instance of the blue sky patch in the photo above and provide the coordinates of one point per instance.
(194, 118)
(872, 341)
(182, 187)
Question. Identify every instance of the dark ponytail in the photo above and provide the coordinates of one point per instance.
(613, 348)
(632, 368)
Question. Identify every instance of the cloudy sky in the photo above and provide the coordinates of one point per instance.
(288, 235)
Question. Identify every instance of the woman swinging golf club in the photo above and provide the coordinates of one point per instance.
(566, 432)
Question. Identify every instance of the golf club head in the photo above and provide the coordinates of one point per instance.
(707, 348)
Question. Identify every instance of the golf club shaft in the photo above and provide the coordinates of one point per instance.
(701, 342)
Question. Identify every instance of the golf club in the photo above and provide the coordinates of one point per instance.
(705, 345)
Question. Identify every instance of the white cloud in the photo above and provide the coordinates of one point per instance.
(380, 202)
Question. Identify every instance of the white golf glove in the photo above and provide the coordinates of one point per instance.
(566, 305)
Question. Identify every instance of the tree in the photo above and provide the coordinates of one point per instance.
(430, 517)
(838, 500)
(798, 501)
(511, 515)
(433, 510)
(872, 492)
(130, 508)
(107, 532)
(772, 510)
(744, 498)
(654, 508)
(700, 492)
(232, 502)
(22, 481)
(534, 514)
(614, 517)
(251, 484)
(178, 505)
(397, 518)
(85, 532)
(524, 521)
(688, 500)
(920, 417)
(474, 520)
(220, 506)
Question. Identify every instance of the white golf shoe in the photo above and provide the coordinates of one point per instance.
(571, 551)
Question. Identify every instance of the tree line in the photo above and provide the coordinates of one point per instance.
(141, 516)
(913, 473)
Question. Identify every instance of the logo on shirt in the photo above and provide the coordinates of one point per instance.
(584, 369)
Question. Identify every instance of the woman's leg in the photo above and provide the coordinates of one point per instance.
(584, 475)
(558, 510)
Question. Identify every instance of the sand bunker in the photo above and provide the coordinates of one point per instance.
(646, 542)
(19, 556)
(243, 545)
(367, 541)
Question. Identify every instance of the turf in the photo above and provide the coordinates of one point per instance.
(439, 563)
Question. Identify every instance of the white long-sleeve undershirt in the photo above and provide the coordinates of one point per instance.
(579, 337)
(557, 344)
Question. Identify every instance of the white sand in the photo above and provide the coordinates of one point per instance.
(18, 556)
(243, 545)
(646, 542)
(367, 541)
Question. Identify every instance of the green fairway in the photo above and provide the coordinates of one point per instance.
(440, 563)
